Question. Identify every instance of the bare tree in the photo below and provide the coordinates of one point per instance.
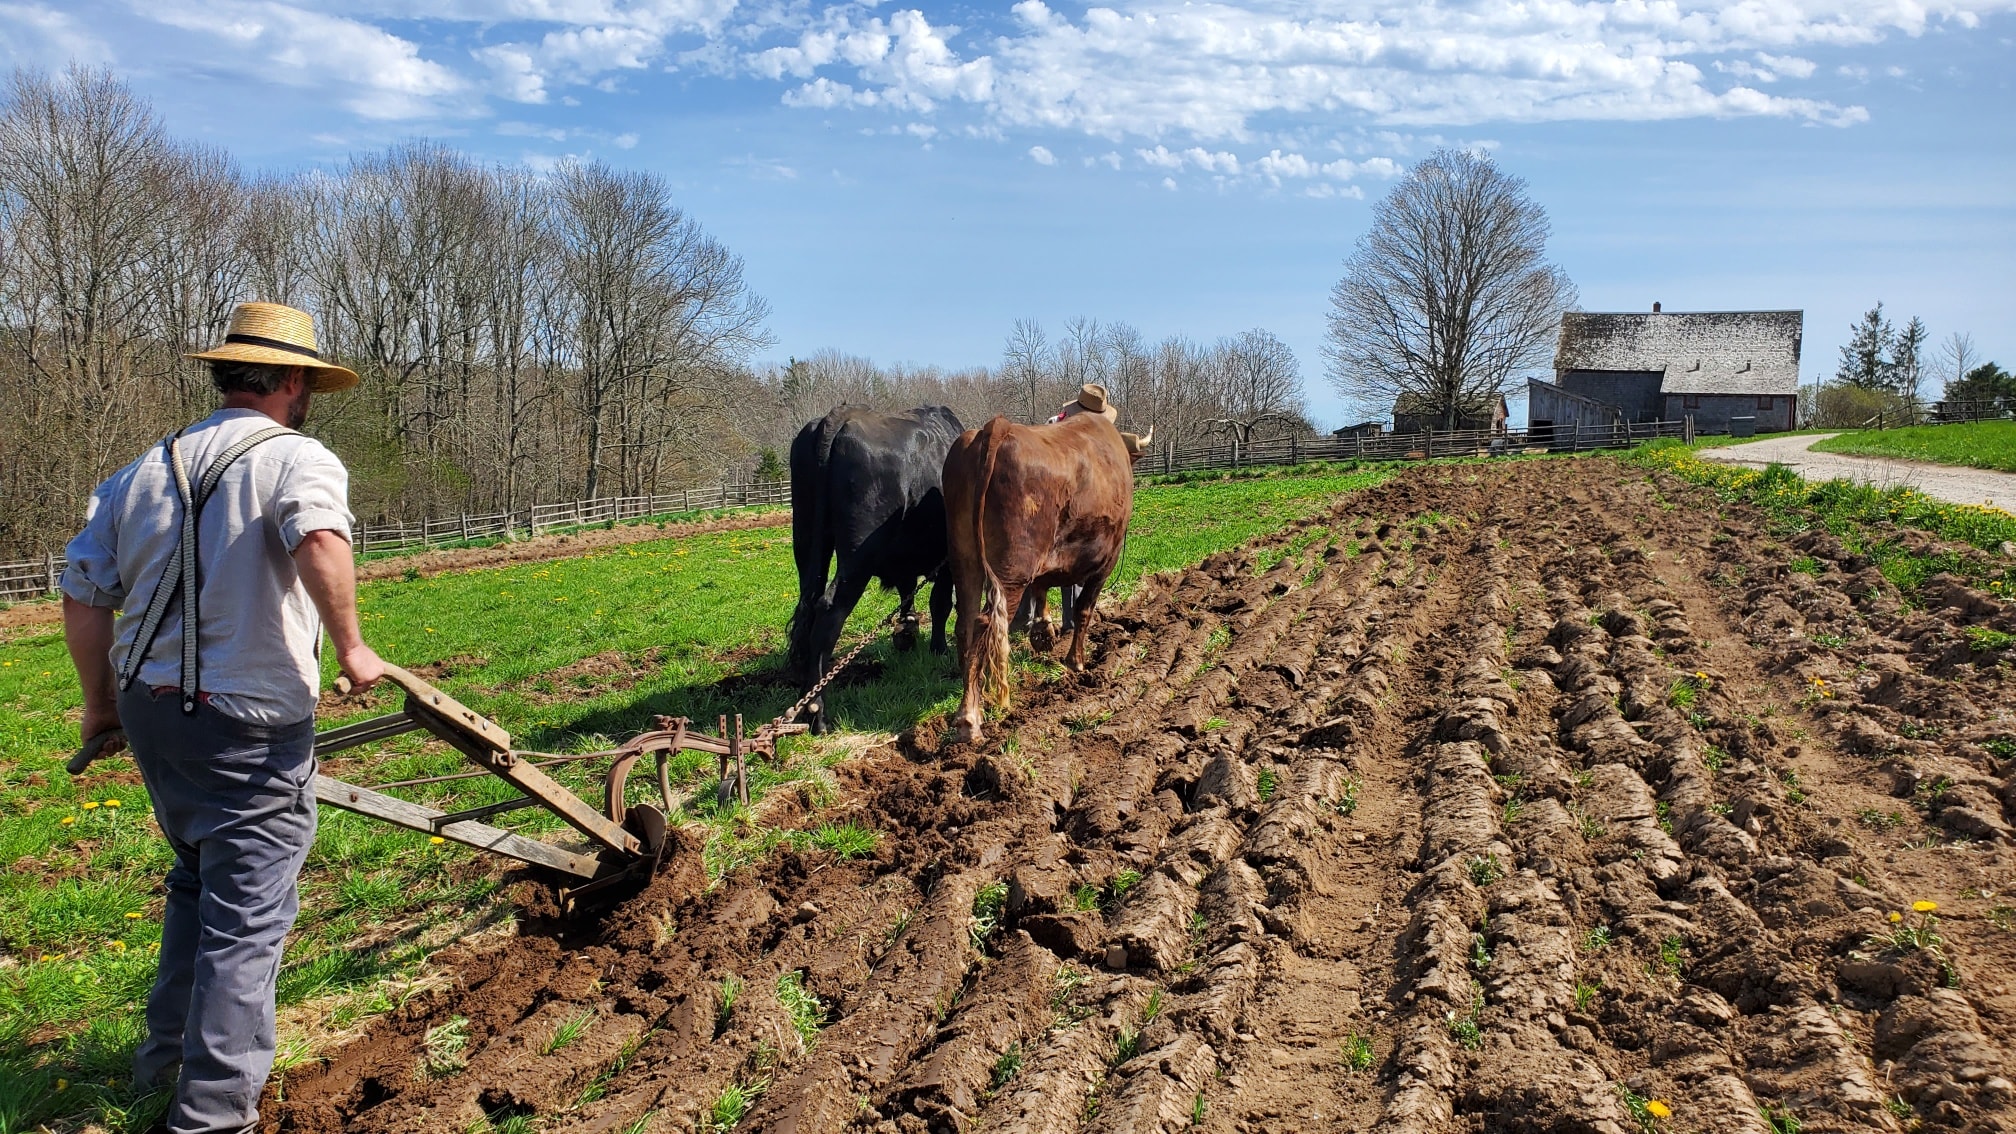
(1449, 296)
(1027, 361)
(89, 186)
(1260, 385)
(1957, 357)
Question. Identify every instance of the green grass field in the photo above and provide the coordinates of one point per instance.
(1978, 444)
(1865, 517)
(566, 655)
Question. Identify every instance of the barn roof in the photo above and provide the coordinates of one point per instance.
(1701, 352)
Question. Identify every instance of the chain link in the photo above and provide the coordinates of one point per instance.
(819, 687)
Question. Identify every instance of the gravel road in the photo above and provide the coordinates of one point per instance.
(1959, 485)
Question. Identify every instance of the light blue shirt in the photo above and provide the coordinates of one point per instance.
(259, 635)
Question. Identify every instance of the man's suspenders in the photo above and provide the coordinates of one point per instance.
(180, 575)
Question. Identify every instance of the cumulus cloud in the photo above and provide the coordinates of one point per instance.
(1207, 87)
(1042, 156)
(1227, 70)
(384, 76)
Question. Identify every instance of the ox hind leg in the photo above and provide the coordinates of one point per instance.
(829, 619)
(906, 614)
(941, 606)
(1042, 634)
(1080, 612)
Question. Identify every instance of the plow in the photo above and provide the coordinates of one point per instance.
(626, 841)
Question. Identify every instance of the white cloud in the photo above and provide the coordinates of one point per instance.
(384, 75)
(1229, 70)
(1042, 156)
(32, 34)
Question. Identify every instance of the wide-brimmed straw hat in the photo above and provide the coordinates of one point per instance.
(1092, 399)
(278, 335)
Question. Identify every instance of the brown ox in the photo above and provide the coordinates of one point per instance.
(1029, 506)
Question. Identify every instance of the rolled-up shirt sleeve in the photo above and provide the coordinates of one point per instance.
(313, 496)
(91, 570)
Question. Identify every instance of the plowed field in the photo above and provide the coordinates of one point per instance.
(1533, 796)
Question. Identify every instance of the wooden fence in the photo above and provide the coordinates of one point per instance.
(1406, 446)
(36, 578)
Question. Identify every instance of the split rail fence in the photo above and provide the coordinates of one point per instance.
(38, 577)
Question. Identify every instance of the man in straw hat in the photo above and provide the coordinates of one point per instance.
(226, 550)
(1091, 399)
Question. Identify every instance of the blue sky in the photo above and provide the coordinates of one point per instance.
(904, 183)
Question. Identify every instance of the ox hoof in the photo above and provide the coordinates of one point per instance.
(1042, 636)
(965, 733)
(905, 638)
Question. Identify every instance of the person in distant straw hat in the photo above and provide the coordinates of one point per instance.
(227, 549)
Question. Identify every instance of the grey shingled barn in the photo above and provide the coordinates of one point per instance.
(1734, 371)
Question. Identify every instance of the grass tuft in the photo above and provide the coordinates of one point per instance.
(806, 1013)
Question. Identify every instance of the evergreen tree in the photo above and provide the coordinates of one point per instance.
(1907, 362)
(1865, 358)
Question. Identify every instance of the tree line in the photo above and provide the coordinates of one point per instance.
(522, 337)
(1884, 370)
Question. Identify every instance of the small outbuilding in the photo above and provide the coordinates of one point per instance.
(1732, 370)
(1411, 414)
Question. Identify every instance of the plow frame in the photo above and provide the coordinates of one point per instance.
(625, 841)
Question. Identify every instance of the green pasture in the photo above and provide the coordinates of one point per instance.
(567, 655)
(1866, 518)
(1978, 444)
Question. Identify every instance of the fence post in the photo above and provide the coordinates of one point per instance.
(49, 569)
(363, 539)
(1687, 429)
(1294, 450)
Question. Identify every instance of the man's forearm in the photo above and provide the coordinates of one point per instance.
(87, 631)
(330, 576)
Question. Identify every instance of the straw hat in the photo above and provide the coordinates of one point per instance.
(1092, 399)
(278, 336)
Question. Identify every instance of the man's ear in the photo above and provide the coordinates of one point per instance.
(297, 379)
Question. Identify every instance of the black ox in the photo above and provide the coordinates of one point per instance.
(866, 490)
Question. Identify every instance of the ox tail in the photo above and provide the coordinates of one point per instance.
(995, 615)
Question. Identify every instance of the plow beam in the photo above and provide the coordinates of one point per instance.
(489, 748)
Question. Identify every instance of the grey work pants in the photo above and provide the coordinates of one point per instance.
(237, 802)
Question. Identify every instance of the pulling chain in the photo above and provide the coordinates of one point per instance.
(820, 686)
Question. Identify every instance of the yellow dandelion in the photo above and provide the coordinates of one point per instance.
(113, 803)
(132, 917)
(117, 946)
(1895, 916)
(90, 805)
(66, 820)
(1699, 676)
(436, 840)
(1924, 907)
(1658, 1109)
(62, 1084)
(430, 629)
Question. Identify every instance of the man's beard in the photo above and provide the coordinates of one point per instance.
(297, 409)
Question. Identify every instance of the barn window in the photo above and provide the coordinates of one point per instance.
(1691, 401)
(1763, 403)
